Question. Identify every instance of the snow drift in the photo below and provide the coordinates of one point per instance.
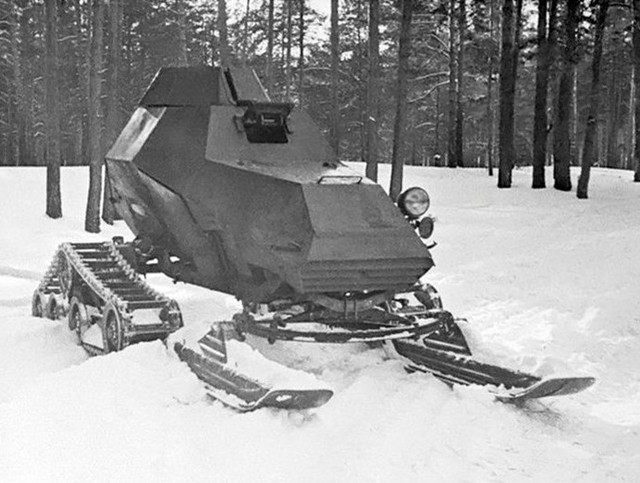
(548, 283)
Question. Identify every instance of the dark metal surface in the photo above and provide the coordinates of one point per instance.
(259, 220)
(175, 86)
(341, 332)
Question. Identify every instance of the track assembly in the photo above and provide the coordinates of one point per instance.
(107, 303)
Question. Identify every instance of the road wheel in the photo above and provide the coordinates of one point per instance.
(112, 329)
(78, 317)
(37, 304)
(51, 309)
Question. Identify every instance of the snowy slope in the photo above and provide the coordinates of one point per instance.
(548, 283)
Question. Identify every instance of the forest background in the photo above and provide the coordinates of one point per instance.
(72, 71)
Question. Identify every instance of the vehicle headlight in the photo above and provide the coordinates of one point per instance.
(426, 226)
(414, 202)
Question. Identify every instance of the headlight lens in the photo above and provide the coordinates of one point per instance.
(414, 202)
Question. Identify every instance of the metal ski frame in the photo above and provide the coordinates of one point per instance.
(428, 340)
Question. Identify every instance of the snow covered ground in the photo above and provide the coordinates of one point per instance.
(549, 284)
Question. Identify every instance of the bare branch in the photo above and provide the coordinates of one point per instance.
(429, 92)
(428, 76)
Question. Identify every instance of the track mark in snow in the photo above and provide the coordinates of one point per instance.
(20, 273)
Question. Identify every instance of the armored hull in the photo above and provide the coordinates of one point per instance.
(244, 197)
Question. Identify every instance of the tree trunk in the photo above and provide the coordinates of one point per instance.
(225, 50)
(52, 120)
(631, 135)
(589, 152)
(114, 122)
(490, 95)
(614, 114)
(86, 76)
(28, 93)
(245, 44)
(490, 118)
(287, 70)
(554, 78)
(301, 55)
(452, 161)
(540, 121)
(334, 131)
(24, 119)
(183, 59)
(490, 92)
(507, 95)
(516, 54)
(361, 66)
(270, 32)
(562, 135)
(436, 147)
(92, 218)
(636, 63)
(373, 95)
(459, 84)
(81, 61)
(573, 120)
(399, 131)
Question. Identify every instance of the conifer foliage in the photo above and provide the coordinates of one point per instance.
(420, 82)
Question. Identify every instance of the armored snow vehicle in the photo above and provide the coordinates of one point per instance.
(225, 189)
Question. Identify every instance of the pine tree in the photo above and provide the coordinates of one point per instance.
(399, 127)
(543, 64)
(636, 63)
(372, 114)
(270, 33)
(507, 95)
(589, 152)
(459, 131)
(92, 217)
(54, 203)
(452, 151)
(562, 133)
(113, 106)
(334, 133)
(301, 54)
(490, 110)
(223, 35)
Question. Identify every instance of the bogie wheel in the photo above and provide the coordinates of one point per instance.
(51, 309)
(112, 329)
(37, 304)
(78, 317)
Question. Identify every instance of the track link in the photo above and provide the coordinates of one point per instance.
(95, 286)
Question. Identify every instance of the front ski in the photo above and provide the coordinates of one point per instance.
(555, 386)
(237, 390)
(506, 384)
